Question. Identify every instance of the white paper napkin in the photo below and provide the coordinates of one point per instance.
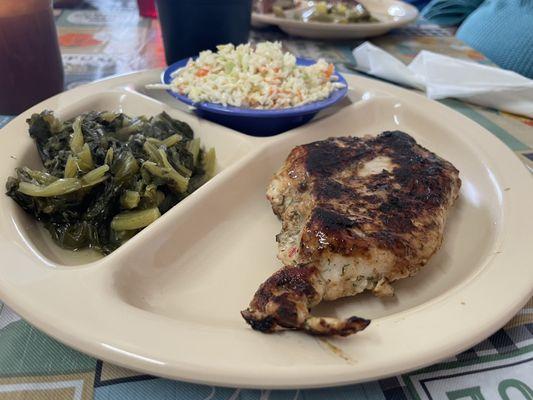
(443, 76)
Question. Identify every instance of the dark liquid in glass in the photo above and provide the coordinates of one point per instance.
(190, 26)
(31, 69)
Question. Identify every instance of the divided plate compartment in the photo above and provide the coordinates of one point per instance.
(168, 301)
(230, 146)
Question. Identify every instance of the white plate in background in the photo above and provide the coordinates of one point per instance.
(390, 13)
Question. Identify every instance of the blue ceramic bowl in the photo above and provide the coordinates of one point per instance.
(257, 122)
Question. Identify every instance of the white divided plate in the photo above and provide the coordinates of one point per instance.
(168, 301)
(390, 13)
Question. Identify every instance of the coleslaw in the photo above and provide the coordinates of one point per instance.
(263, 77)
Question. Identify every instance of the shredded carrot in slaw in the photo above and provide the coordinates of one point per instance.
(262, 77)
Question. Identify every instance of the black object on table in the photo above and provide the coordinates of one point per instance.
(190, 26)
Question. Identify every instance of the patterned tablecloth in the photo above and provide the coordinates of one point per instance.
(107, 37)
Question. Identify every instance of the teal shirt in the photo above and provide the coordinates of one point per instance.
(503, 31)
(500, 29)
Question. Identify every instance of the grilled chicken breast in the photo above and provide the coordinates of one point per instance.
(357, 214)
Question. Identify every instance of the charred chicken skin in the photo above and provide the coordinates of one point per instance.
(356, 214)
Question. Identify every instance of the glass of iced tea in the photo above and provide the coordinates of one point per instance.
(31, 69)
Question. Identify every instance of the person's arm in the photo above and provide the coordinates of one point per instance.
(449, 12)
(418, 3)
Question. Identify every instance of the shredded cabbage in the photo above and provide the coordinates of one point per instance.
(263, 77)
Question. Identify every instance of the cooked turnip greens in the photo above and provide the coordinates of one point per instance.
(107, 175)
